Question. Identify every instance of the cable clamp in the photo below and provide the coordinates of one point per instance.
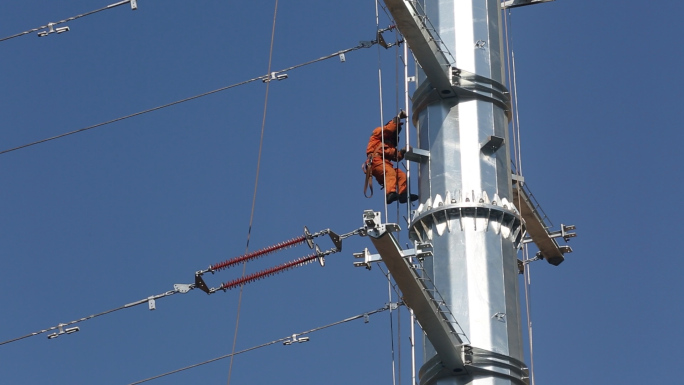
(295, 338)
(274, 76)
(63, 330)
(183, 287)
(51, 29)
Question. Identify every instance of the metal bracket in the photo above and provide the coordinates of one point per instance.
(134, 4)
(417, 155)
(373, 225)
(367, 259)
(492, 144)
(381, 40)
(564, 232)
(481, 361)
(200, 284)
(183, 287)
(519, 3)
(423, 250)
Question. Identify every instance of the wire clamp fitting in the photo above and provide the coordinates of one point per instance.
(63, 330)
(274, 76)
(295, 338)
(183, 287)
(52, 29)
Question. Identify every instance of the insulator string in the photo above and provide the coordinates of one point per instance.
(268, 272)
(259, 253)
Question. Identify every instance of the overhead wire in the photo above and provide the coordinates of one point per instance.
(110, 6)
(262, 77)
(353, 318)
(256, 184)
(62, 325)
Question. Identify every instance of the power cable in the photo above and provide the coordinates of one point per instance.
(284, 339)
(256, 184)
(51, 25)
(62, 325)
(265, 78)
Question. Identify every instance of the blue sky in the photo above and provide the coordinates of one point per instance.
(113, 215)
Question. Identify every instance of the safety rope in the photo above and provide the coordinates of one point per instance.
(256, 184)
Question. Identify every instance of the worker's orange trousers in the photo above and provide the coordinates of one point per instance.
(392, 176)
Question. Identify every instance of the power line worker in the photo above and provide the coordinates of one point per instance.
(383, 141)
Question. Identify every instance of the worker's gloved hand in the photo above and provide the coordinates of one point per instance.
(402, 115)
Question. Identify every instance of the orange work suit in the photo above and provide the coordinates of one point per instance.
(393, 177)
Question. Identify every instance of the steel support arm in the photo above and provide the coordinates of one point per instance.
(439, 331)
(425, 47)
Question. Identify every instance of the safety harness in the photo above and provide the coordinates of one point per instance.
(367, 168)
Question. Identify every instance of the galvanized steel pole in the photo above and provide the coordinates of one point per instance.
(465, 191)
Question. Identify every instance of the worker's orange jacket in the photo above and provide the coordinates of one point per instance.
(375, 143)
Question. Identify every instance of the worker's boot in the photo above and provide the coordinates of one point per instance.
(392, 197)
(403, 197)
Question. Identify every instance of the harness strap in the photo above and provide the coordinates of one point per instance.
(368, 170)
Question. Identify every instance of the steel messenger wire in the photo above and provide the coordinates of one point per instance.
(262, 77)
(66, 20)
(256, 184)
(363, 315)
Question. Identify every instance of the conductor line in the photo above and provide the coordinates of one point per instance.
(359, 316)
(66, 20)
(263, 77)
(132, 304)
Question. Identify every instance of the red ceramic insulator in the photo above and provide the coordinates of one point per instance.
(268, 272)
(258, 253)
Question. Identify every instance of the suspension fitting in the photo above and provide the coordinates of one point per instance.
(379, 39)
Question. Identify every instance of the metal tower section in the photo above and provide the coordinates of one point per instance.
(461, 109)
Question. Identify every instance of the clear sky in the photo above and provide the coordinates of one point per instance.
(106, 217)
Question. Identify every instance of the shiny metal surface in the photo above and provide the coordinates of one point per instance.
(474, 241)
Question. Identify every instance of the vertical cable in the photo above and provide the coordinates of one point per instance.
(256, 184)
(396, 108)
(382, 119)
(408, 137)
(413, 347)
(528, 307)
(389, 293)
